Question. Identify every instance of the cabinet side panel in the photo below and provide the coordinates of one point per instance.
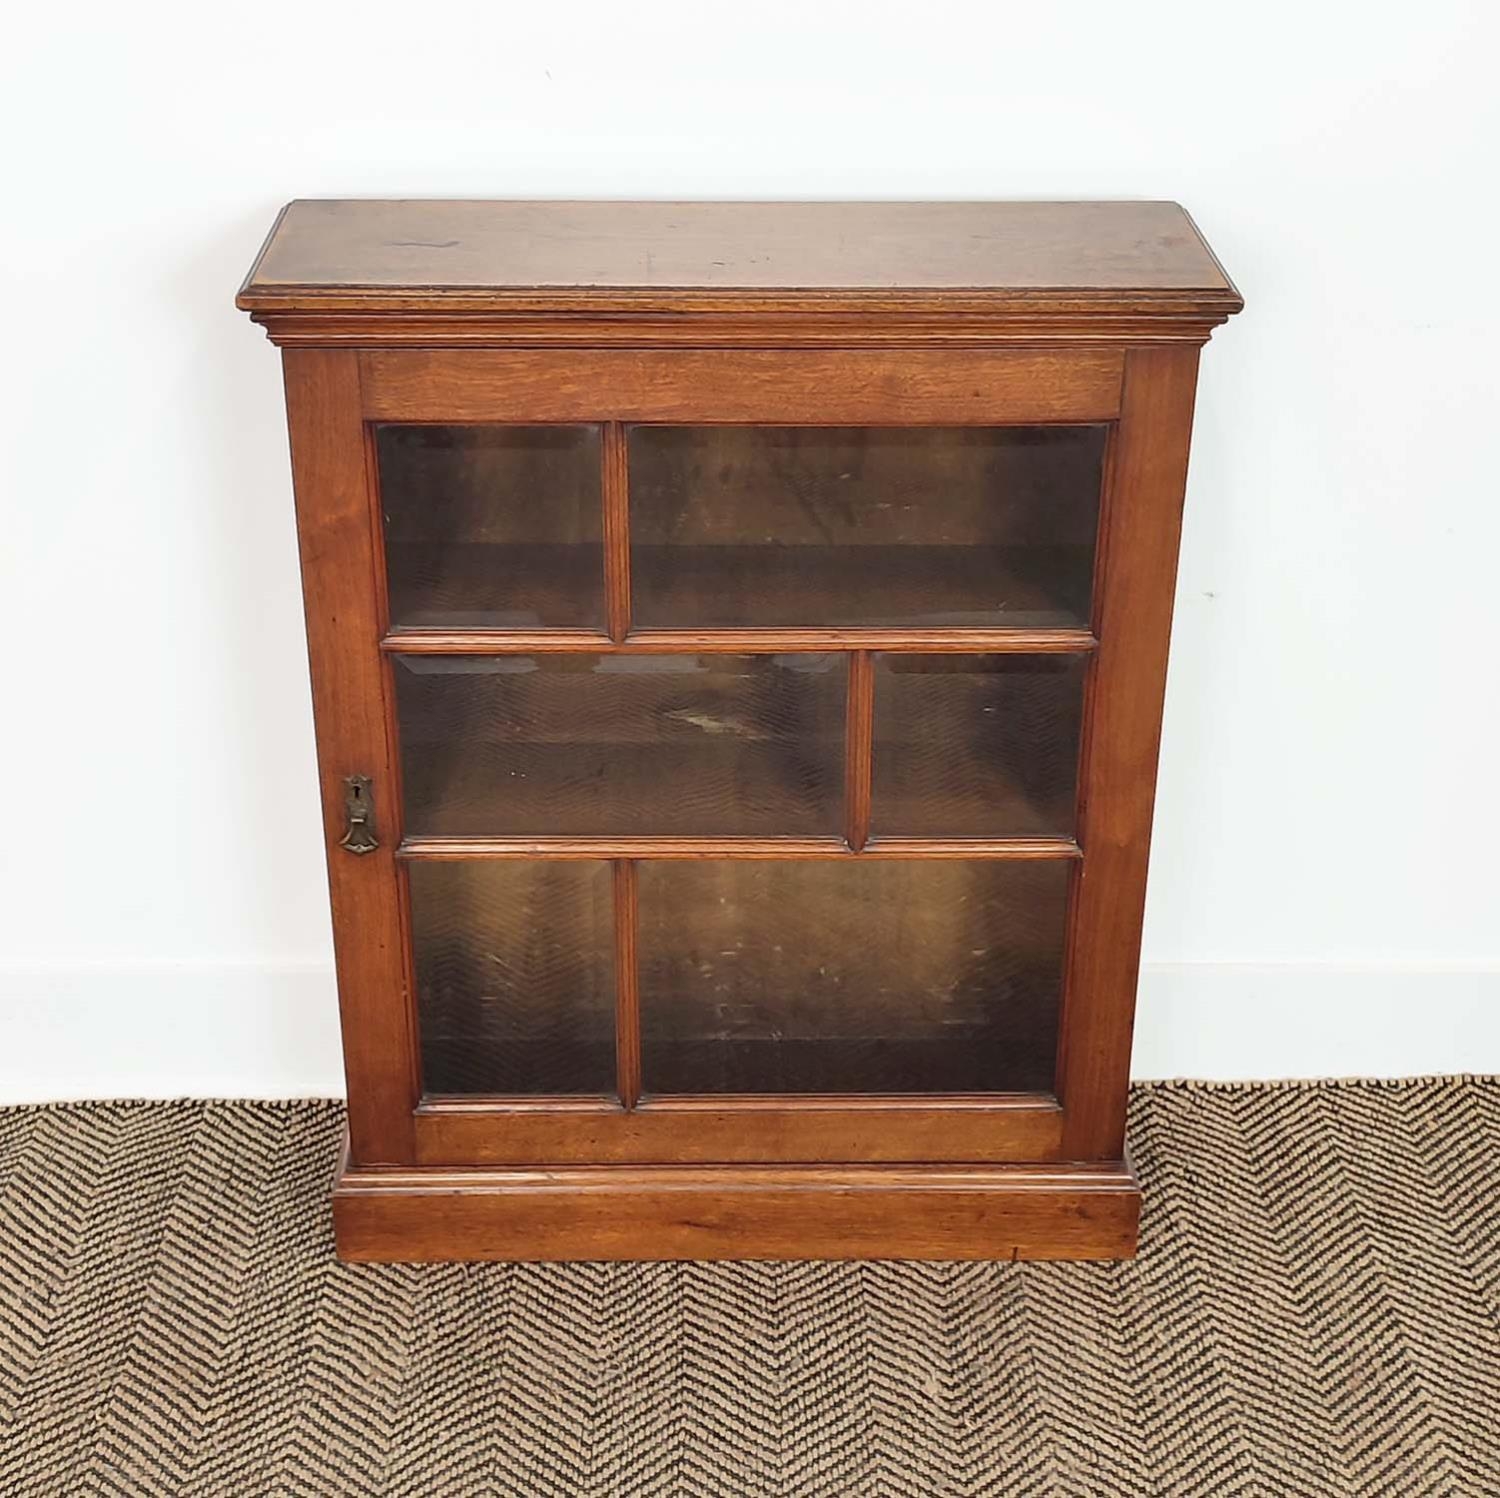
(338, 545)
(1141, 527)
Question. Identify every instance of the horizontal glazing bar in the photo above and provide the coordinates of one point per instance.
(597, 1106)
(850, 1102)
(436, 1104)
(450, 848)
(740, 641)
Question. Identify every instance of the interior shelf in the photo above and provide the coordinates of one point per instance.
(479, 585)
(714, 787)
(484, 585)
(914, 586)
(977, 1058)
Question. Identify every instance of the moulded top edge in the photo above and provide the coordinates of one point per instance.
(473, 256)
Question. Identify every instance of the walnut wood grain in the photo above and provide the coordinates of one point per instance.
(627, 986)
(873, 315)
(733, 847)
(747, 1212)
(336, 530)
(616, 488)
(1122, 729)
(918, 387)
(859, 734)
(788, 321)
(738, 641)
(757, 275)
(415, 254)
(743, 1129)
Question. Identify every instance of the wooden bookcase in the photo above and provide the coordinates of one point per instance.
(737, 637)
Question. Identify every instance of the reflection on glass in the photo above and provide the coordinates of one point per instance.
(918, 527)
(515, 976)
(850, 976)
(976, 745)
(492, 526)
(585, 745)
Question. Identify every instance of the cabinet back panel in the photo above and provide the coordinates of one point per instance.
(674, 745)
(736, 527)
(514, 969)
(976, 745)
(492, 526)
(874, 977)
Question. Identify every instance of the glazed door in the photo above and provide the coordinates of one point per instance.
(743, 732)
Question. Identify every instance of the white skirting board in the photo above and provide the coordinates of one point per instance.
(170, 1029)
(1263, 1021)
(270, 1030)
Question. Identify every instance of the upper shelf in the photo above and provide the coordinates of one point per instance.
(1110, 264)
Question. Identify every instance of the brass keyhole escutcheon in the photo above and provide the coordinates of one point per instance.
(359, 815)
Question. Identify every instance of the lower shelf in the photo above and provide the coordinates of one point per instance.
(737, 1212)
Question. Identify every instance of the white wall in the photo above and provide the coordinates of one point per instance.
(1323, 897)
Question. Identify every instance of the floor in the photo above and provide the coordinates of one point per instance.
(1315, 1310)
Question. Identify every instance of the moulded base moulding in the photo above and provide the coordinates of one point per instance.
(401, 1215)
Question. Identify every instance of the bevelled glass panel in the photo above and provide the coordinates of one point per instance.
(619, 745)
(515, 976)
(745, 527)
(976, 745)
(842, 976)
(492, 527)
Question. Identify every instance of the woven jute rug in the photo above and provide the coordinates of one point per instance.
(1316, 1310)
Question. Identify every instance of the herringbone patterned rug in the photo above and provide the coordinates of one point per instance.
(1316, 1310)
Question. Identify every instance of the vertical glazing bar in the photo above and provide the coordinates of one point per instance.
(616, 480)
(627, 987)
(859, 748)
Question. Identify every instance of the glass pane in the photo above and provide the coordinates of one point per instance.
(515, 976)
(587, 745)
(858, 976)
(976, 745)
(492, 527)
(914, 527)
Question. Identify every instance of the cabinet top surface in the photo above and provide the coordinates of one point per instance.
(415, 254)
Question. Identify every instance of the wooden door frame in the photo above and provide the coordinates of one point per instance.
(343, 596)
(334, 395)
(1137, 573)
